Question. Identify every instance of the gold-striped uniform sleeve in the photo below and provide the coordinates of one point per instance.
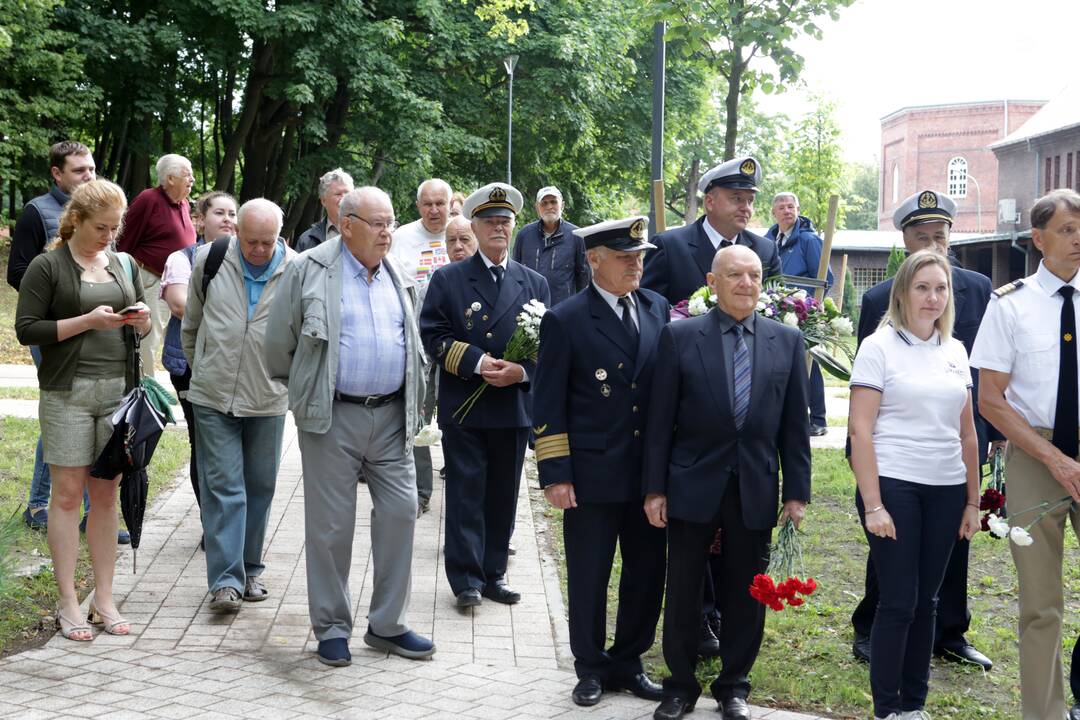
(552, 446)
(453, 356)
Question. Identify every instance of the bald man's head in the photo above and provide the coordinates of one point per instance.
(736, 280)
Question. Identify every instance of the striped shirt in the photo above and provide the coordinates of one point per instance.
(371, 351)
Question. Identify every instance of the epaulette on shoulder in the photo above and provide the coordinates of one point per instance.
(1006, 289)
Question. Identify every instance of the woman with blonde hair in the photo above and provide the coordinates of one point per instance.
(82, 304)
(915, 458)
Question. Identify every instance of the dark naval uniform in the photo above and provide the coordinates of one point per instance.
(676, 268)
(592, 388)
(465, 316)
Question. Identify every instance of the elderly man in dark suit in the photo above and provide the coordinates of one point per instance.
(469, 314)
(593, 376)
(926, 218)
(677, 267)
(727, 413)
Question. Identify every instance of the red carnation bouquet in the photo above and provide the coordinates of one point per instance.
(784, 561)
(992, 502)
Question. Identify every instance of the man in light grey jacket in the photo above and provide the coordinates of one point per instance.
(345, 341)
(239, 408)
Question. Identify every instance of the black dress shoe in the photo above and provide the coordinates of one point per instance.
(861, 647)
(673, 708)
(965, 654)
(501, 594)
(735, 709)
(708, 646)
(639, 685)
(1074, 713)
(468, 598)
(587, 691)
(818, 430)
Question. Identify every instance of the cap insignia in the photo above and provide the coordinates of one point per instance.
(637, 230)
(928, 200)
(749, 167)
(497, 194)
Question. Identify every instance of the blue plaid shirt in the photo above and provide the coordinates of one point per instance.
(371, 354)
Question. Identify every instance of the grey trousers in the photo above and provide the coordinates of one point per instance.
(425, 480)
(371, 440)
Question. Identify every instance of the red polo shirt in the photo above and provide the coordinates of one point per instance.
(154, 228)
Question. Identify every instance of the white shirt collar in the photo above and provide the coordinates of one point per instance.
(713, 234)
(912, 339)
(1050, 282)
(488, 264)
(612, 299)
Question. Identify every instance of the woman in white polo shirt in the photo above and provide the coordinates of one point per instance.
(915, 457)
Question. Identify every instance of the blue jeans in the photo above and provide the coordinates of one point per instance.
(41, 482)
(909, 572)
(238, 463)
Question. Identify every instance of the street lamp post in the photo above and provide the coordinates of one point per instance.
(510, 62)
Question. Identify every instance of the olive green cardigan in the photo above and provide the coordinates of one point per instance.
(50, 292)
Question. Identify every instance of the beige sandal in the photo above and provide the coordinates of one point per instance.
(68, 628)
(109, 623)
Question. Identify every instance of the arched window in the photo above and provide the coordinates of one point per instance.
(958, 177)
(895, 183)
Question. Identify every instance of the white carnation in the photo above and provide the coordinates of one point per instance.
(799, 295)
(842, 325)
(1020, 536)
(697, 306)
(791, 319)
(999, 527)
(760, 305)
(769, 312)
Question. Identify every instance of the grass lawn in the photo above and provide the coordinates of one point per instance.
(24, 601)
(805, 661)
(11, 352)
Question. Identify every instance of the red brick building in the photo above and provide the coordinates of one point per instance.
(946, 147)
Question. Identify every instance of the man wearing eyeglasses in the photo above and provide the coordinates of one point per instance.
(347, 346)
(469, 314)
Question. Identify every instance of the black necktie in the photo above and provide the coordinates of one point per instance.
(628, 319)
(498, 270)
(1067, 417)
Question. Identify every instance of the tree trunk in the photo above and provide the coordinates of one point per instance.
(262, 64)
(284, 162)
(731, 102)
(690, 214)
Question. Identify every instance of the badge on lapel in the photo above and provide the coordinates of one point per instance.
(601, 374)
(605, 390)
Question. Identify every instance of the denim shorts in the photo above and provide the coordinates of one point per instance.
(76, 423)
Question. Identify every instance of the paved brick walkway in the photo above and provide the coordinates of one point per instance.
(494, 662)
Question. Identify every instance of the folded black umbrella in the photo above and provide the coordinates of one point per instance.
(137, 427)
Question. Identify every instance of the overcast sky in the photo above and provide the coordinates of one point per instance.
(882, 55)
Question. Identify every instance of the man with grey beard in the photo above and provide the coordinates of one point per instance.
(550, 247)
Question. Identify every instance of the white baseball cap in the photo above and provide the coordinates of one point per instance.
(549, 190)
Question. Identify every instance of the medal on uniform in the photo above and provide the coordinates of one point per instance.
(605, 390)
(601, 374)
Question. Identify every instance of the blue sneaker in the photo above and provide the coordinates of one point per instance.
(38, 520)
(334, 652)
(407, 645)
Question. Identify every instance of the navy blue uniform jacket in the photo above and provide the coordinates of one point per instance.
(971, 295)
(592, 395)
(693, 446)
(561, 260)
(677, 267)
(456, 335)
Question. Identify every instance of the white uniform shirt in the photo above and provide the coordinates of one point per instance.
(924, 385)
(1020, 335)
(612, 301)
(713, 234)
(420, 251)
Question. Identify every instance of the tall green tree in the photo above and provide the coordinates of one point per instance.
(731, 34)
(813, 165)
(861, 197)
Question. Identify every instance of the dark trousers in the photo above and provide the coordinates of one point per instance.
(181, 383)
(744, 554)
(1074, 672)
(483, 472)
(909, 572)
(816, 395)
(589, 532)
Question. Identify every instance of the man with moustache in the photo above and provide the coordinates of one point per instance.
(593, 376)
(726, 415)
(469, 314)
(677, 268)
(550, 247)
